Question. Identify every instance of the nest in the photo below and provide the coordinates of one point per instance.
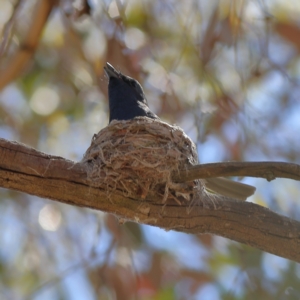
(139, 157)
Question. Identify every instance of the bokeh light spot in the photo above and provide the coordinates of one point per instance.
(44, 101)
(49, 218)
(6, 9)
(134, 38)
(95, 45)
(113, 10)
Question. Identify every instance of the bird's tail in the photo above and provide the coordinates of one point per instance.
(229, 188)
(209, 192)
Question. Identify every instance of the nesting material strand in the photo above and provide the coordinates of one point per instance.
(140, 156)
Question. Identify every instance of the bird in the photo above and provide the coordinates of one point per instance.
(127, 101)
(126, 97)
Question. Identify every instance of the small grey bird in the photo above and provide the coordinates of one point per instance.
(127, 101)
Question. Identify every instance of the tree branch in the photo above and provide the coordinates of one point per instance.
(33, 172)
(27, 48)
(262, 169)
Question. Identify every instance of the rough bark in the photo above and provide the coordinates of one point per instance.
(33, 172)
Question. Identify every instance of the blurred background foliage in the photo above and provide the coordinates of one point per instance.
(226, 71)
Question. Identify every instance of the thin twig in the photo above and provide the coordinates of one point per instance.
(19, 60)
(8, 28)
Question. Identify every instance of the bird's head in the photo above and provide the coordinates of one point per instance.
(126, 97)
(122, 88)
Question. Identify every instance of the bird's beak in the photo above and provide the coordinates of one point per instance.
(111, 71)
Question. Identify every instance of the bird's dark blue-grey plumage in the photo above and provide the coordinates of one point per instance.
(126, 97)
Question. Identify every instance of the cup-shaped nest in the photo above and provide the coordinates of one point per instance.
(139, 157)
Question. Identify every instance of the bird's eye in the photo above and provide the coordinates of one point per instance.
(128, 81)
(133, 84)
